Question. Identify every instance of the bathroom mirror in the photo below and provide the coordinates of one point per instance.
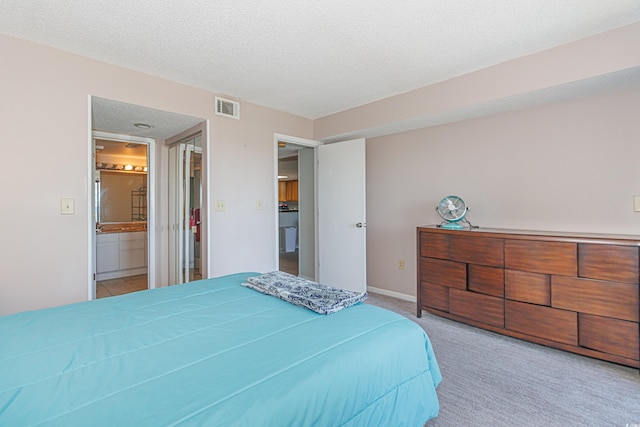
(121, 181)
(122, 197)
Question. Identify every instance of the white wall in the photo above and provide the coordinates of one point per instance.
(568, 166)
(44, 110)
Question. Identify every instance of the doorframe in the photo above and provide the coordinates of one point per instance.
(151, 204)
(306, 143)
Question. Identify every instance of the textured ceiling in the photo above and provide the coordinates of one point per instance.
(310, 58)
(121, 118)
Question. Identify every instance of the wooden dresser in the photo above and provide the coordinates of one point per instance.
(576, 292)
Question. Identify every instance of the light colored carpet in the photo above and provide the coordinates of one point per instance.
(492, 380)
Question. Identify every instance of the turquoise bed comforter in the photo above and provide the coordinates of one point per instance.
(213, 353)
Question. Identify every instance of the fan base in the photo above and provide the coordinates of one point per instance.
(452, 226)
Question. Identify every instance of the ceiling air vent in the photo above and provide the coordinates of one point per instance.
(227, 108)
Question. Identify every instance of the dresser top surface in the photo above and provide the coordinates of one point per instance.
(633, 240)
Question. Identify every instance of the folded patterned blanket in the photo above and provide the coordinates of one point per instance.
(315, 296)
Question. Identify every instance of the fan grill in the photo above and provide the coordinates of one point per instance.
(452, 209)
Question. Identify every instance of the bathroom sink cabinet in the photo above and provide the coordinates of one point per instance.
(121, 254)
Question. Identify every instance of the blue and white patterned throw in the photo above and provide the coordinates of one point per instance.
(315, 296)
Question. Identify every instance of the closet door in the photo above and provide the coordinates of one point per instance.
(185, 195)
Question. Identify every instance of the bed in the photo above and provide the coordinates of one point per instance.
(214, 353)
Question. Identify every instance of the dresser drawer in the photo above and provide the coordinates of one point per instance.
(434, 245)
(478, 307)
(486, 280)
(527, 287)
(469, 248)
(543, 322)
(609, 262)
(435, 296)
(610, 299)
(444, 273)
(477, 250)
(541, 257)
(611, 336)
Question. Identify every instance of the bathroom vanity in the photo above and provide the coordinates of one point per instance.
(121, 252)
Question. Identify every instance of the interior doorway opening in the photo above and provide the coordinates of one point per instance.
(332, 231)
(288, 212)
(295, 191)
(157, 129)
(121, 210)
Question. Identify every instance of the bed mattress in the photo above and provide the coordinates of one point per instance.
(214, 353)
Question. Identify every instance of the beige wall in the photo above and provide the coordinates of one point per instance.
(568, 166)
(528, 168)
(548, 141)
(44, 108)
(594, 63)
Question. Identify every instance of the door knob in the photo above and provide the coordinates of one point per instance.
(360, 224)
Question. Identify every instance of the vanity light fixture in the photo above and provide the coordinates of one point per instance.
(120, 167)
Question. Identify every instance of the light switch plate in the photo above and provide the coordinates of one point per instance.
(259, 205)
(636, 203)
(67, 206)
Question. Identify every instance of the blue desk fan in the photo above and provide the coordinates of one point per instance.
(452, 209)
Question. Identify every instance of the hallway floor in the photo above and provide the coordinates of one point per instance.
(123, 285)
(289, 262)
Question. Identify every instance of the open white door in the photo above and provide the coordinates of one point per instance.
(342, 215)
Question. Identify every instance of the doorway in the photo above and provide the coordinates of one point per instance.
(288, 212)
(157, 129)
(295, 190)
(123, 213)
(332, 217)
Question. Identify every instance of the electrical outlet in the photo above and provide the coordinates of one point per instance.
(221, 206)
(401, 264)
(636, 203)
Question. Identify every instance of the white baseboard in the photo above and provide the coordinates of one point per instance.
(391, 294)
